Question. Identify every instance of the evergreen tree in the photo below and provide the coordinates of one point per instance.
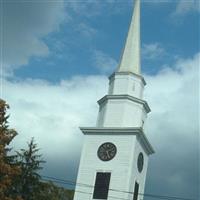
(29, 180)
(19, 177)
(8, 167)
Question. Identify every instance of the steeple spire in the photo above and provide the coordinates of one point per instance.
(119, 131)
(130, 60)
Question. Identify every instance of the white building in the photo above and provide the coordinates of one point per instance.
(115, 153)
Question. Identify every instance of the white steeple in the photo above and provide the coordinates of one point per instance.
(116, 151)
(130, 60)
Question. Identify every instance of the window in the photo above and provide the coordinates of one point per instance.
(101, 185)
(136, 190)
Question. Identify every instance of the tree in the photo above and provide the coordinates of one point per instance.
(30, 184)
(8, 166)
(19, 177)
(30, 162)
(50, 191)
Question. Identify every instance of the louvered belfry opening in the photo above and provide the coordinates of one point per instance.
(136, 190)
(101, 187)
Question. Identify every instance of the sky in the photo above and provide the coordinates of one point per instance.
(55, 60)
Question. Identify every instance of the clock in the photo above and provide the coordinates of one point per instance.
(107, 151)
(140, 162)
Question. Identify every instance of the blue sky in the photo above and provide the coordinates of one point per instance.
(55, 59)
(72, 46)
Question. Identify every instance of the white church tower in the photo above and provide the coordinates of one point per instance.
(115, 153)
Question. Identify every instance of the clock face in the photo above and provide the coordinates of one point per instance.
(107, 151)
(140, 162)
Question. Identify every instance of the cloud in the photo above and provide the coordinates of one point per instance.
(52, 114)
(24, 25)
(86, 30)
(173, 126)
(104, 62)
(185, 7)
(153, 51)
(88, 8)
(93, 8)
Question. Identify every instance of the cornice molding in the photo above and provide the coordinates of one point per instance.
(138, 131)
(125, 96)
(127, 73)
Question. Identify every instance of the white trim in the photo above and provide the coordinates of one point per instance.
(127, 73)
(125, 96)
(120, 131)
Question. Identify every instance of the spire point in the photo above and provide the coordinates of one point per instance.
(130, 60)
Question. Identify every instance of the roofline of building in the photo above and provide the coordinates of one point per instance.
(125, 96)
(138, 131)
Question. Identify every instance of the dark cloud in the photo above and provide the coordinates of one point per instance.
(172, 127)
(24, 24)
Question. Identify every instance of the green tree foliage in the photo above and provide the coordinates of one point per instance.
(9, 169)
(30, 162)
(30, 184)
(49, 191)
(19, 174)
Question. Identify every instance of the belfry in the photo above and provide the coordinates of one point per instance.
(115, 153)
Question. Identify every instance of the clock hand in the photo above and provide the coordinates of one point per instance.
(107, 154)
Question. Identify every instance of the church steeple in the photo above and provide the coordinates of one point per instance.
(130, 60)
(116, 151)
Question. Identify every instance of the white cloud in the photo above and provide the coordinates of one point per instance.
(92, 8)
(87, 8)
(104, 62)
(177, 92)
(86, 30)
(184, 7)
(53, 113)
(153, 51)
(173, 126)
(24, 24)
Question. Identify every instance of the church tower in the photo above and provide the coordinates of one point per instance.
(115, 153)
